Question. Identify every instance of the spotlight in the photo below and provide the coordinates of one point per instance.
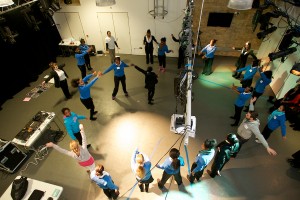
(282, 54)
(263, 34)
(265, 18)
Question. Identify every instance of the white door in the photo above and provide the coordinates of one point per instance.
(75, 25)
(118, 25)
(62, 25)
(69, 25)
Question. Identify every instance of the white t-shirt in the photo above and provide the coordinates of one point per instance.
(110, 41)
(61, 75)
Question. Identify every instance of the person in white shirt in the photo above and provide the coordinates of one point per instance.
(110, 46)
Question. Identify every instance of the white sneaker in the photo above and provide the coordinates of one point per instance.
(257, 140)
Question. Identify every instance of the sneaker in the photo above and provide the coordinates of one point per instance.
(232, 117)
(233, 124)
(257, 140)
(88, 146)
(150, 103)
(95, 112)
(159, 184)
(126, 94)
(113, 98)
(93, 119)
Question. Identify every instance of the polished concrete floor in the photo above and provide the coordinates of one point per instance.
(127, 123)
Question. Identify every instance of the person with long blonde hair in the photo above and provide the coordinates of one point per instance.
(78, 152)
(141, 167)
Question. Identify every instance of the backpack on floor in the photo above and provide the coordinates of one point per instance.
(19, 188)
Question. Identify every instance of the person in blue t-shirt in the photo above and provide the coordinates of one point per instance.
(250, 71)
(275, 120)
(85, 92)
(244, 95)
(208, 54)
(79, 55)
(171, 167)
(119, 75)
(105, 182)
(205, 155)
(84, 47)
(162, 50)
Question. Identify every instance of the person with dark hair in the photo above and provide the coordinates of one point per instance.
(141, 167)
(242, 60)
(261, 84)
(148, 42)
(249, 126)
(60, 78)
(276, 119)
(244, 95)
(290, 100)
(104, 181)
(71, 121)
(119, 75)
(208, 54)
(150, 81)
(79, 55)
(205, 155)
(84, 47)
(180, 61)
(171, 167)
(162, 50)
(249, 74)
(85, 92)
(225, 150)
(110, 46)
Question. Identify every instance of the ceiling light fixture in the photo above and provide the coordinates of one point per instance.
(5, 3)
(240, 4)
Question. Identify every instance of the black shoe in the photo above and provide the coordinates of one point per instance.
(150, 103)
(292, 125)
(233, 124)
(246, 110)
(95, 112)
(90, 69)
(88, 146)
(232, 117)
(126, 94)
(93, 119)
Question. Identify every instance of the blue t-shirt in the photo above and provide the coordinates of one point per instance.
(242, 98)
(118, 69)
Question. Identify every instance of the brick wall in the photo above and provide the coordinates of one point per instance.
(236, 35)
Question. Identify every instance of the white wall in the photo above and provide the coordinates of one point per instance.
(139, 21)
(282, 79)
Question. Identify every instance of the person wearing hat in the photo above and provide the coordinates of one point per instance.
(225, 150)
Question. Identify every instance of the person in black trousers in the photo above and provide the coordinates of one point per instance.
(84, 47)
(225, 150)
(148, 42)
(85, 93)
(79, 55)
(150, 81)
(180, 62)
(60, 78)
(242, 60)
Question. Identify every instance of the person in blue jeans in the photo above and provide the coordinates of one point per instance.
(171, 167)
(85, 92)
(119, 75)
(105, 182)
(162, 50)
(244, 95)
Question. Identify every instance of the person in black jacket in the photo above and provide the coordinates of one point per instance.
(242, 60)
(60, 78)
(148, 42)
(225, 150)
(180, 62)
(150, 81)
